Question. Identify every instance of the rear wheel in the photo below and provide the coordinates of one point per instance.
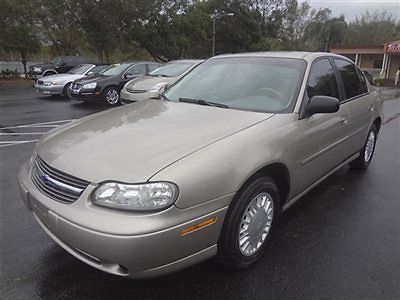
(367, 152)
(248, 224)
(111, 96)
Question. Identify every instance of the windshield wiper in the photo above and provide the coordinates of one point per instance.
(203, 102)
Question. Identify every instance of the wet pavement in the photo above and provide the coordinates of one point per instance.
(341, 240)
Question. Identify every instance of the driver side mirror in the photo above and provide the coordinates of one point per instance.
(90, 73)
(322, 105)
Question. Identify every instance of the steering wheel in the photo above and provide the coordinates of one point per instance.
(272, 91)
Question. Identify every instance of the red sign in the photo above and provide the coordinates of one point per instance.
(393, 46)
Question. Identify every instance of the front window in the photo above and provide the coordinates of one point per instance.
(115, 69)
(262, 84)
(80, 70)
(171, 69)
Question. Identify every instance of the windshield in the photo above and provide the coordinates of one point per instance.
(248, 83)
(115, 69)
(81, 69)
(173, 69)
(56, 61)
(98, 69)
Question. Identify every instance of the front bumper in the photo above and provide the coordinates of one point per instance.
(127, 97)
(89, 96)
(50, 90)
(34, 75)
(128, 244)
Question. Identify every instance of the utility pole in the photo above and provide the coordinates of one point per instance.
(215, 16)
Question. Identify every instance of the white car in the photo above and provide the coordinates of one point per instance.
(151, 85)
(59, 84)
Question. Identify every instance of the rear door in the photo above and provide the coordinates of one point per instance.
(360, 101)
(325, 136)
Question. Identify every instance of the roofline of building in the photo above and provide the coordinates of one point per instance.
(360, 46)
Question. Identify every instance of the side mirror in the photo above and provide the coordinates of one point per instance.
(129, 76)
(90, 73)
(63, 64)
(323, 105)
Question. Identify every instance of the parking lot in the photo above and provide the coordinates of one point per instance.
(341, 240)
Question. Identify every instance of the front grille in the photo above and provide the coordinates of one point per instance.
(135, 91)
(56, 184)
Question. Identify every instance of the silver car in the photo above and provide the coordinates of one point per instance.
(159, 185)
(59, 84)
(155, 82)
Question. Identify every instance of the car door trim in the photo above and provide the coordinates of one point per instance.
(301, 194)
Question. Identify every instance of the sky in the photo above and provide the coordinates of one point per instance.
(352, 8)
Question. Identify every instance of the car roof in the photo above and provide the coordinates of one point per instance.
(308, 56)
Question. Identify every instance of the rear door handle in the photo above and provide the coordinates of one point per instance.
(371, 108)
(343, 121)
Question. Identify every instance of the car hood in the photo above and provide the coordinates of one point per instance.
(63, 77)
(90, 79)
(133, 142)
(147, 82)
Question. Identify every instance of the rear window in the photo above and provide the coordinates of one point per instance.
(350, 77)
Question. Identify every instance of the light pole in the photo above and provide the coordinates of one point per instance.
(216, 15)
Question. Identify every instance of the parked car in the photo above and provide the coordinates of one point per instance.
(105, 87)
(154, 83)
(60, 64)
(59, 84)
(159, 185)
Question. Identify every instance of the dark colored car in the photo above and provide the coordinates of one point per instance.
(60, 64)
(106, 86)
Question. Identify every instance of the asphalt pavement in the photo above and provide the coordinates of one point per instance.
(340, 241)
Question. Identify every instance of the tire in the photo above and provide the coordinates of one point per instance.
(234, 230)
(67, 91)
(110, 96)
(367, 151)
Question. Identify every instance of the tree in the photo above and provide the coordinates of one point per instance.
(17, 32)
(58, 26)
(375, 28)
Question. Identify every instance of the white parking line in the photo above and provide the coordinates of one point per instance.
(22, 133)
(25, 135)
(7, 144)
(50, 123)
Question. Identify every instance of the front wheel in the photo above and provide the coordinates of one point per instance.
(111, 96)
(67, 91)
(367, 152)
(248, 224)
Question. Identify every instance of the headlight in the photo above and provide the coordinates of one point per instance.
(158, 87)
(144, 197)
(48, 83)
(90, 85)
(37, 69)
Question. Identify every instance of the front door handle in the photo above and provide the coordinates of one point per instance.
(371, 108)
(343, 121)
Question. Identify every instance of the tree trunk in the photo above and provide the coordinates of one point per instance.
(23, 60)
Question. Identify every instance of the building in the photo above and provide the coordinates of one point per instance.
(382, 60)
